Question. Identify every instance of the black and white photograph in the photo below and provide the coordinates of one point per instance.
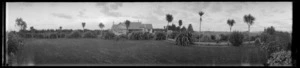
(148, 34)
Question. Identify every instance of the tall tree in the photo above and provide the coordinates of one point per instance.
(21, 24)
(101, 25)
(180, 22)
(32, 29)
(183, 28)
(60, 27)
(190, 28)
(83, 25)
(169, 18)
(201, 13)
(127, 23)
(230, 22)
(249, 19)
(173, 27)
(270, 30)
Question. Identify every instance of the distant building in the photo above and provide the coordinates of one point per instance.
(133, 27)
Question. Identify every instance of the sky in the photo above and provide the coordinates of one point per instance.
(70, 15)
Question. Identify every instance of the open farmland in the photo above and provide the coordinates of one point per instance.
(144, 52)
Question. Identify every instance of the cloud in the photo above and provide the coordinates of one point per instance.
(26, 4)
(109, 8)
(217, 7)
(81, 13)
(60, 15)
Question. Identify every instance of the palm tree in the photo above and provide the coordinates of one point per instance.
(101, 25)
(201, 14)
(249, 19)
(169, 18)
(180, 24)
(83, 25)
(60, 28)
(127, 23)
(230, 22)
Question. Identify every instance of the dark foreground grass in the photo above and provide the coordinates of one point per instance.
(97, 51)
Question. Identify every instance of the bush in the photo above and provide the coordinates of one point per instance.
(217, 38)
(276, 42)
(160, 36)
(184, 39)
(14, 42)
(136, 36)
(40, 36)
(213, 37)
(236, 38)
(253, 38)
(270, 30)
(148, 36)
(173, 35)
(281, 58)
(206, 38)
(223, 37)
(122, 36)
(108, 35)
(53, 35)
(140, 36)
(89, 34)
(196, 37)
(74, 34)
(24, 35)
(257, 42)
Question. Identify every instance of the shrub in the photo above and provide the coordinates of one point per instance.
(223, 37)
(108, 35)
(122, 36)
(140, 36)
(40, 36)
(89, 34)
(53, 35)
(136, 36)
(257, 42)
(74, 34)
(281, 58)
(206, 38)
(160, 36)
(173, 35)
(184, 39)
(24, 35)
(213, 37)
(270, 30)
(14, 42)
(196, 37)
(276, 42)
(217, 38)
(148, 36)
(253, 38)
(236, 38)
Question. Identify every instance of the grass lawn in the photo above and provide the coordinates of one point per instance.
(141, 52)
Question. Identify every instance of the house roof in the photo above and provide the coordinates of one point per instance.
(133, 25)
(148, 26)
